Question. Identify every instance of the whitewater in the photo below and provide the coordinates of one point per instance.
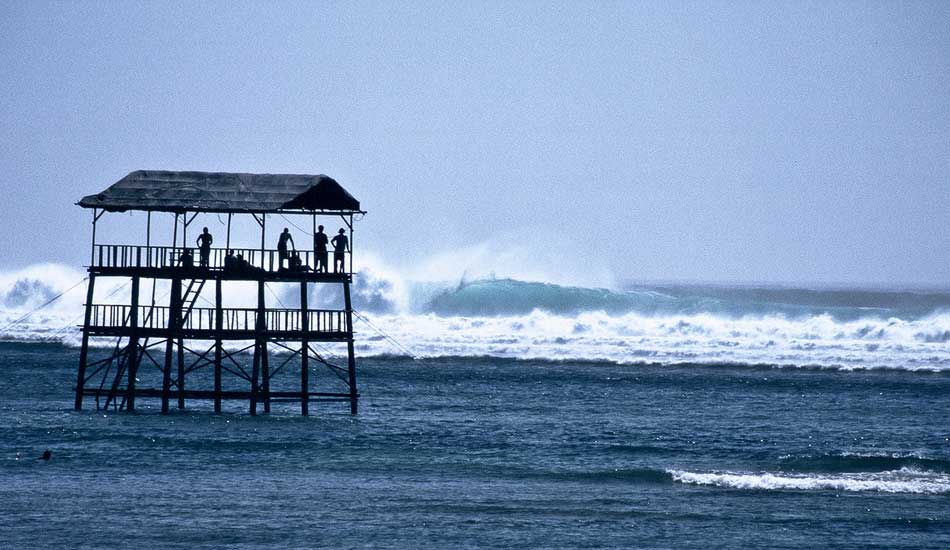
(486, 314)
(514, 409)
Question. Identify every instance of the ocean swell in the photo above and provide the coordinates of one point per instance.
(840, 329)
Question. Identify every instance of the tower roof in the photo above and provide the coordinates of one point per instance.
(164, 191)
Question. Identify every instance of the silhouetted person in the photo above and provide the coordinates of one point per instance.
(282, 253)
(229, 261)
(187, 258)
(204, 247)
(296, 264)
(340, 246)
(320, 241)
(47, 454)
(243, 266)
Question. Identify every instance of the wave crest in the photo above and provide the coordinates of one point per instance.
(904, 480)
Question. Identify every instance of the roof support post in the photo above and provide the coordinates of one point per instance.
(92, 253)
(96, 214)
(263, 234)
(184, 231)
(174, 240)
(349, 224)
(261, 221)
(228, 239)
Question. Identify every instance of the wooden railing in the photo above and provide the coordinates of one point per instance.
(232, 319)
(124, 256)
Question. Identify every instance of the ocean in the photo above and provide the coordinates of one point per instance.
(504, 413)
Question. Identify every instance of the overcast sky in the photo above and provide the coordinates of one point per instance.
(804, 142)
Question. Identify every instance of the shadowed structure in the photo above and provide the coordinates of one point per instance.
(199, 333)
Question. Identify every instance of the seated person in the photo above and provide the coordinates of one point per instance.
(243, 266)
(229, 261)
(187, 259)
(296, 264)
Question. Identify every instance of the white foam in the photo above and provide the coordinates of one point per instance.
(633, 338)
(629, 338)
(904, 480)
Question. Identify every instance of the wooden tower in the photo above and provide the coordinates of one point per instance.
(163, 344)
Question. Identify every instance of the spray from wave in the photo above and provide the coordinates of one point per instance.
(474, 312)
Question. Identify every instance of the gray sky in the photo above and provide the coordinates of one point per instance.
(798, 142)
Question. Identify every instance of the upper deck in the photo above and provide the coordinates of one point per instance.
(246, 264)
(207, 195)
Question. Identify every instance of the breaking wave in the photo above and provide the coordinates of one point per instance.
(904, 480)
(503, 317)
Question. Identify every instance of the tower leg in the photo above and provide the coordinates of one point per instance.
(351, 370)
(173, 312)
(259, 328)
(84, 350)
(255, 373)
(219, 327)
(350, 359)
(304, 352)
(304, 378)
(265, 376)
(167, 373)
(181, 375)
(132, 370)
(133, 359)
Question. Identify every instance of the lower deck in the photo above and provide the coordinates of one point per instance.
(178, 352)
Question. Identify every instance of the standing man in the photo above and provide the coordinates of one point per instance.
(204, 247)
(282, 253)
(320, 241)
(341, 245)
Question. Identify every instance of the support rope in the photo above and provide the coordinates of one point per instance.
(388, 338)
(286, 219)
(81, 315)
(48, 302)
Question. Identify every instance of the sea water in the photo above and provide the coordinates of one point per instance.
(533, 415)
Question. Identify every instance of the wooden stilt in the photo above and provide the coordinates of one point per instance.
(259, 328)
(265, 375)
(219, 328)
(255, 374)
(262, 345)
(181, 369)
(304, 352)
(133, 359)
(350, 359)
(84, 349)
(174, 313)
